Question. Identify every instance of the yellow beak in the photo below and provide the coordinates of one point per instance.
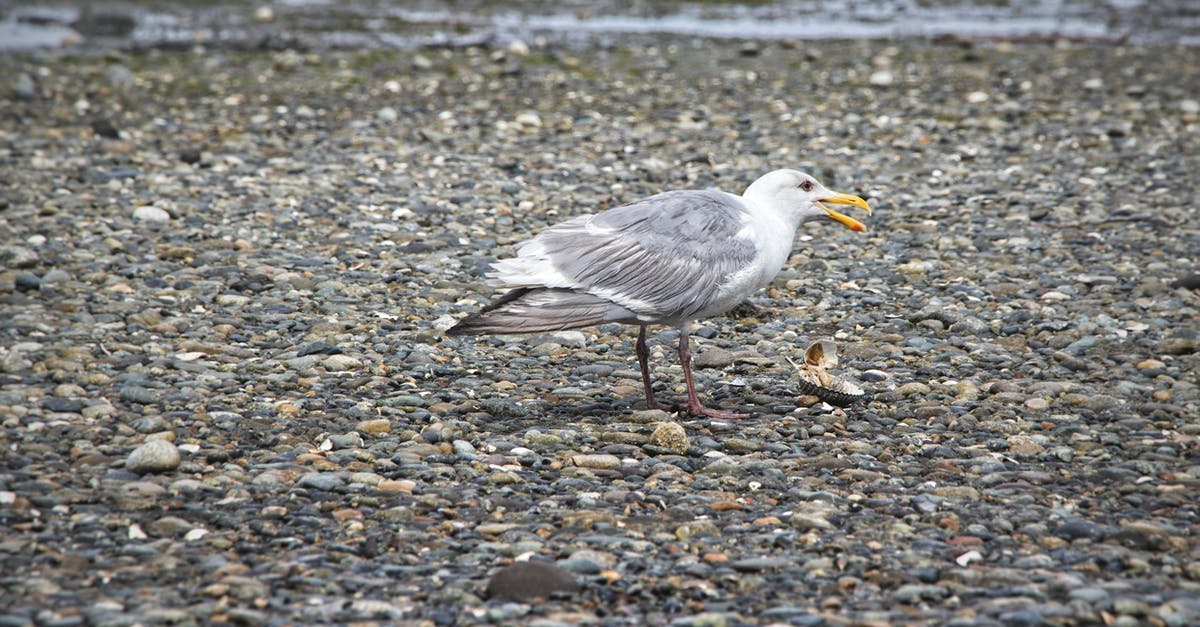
(846, 199)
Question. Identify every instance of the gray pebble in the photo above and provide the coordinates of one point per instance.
(328, 481)
(18, 257)
(758, 564)
(138, 394)
(24, 87)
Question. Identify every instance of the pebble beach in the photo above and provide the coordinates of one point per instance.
(226, 396)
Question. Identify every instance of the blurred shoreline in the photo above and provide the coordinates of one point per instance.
(315, 24)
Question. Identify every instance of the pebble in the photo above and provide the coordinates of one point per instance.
(713, 358)
(153, 456)
(671, 436)
(151, 214)
(26, 89)
(376, 426)
(341, 363)
(327, 481)
(526, 581)
(882, 78)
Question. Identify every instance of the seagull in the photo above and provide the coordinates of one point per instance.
(669, 259)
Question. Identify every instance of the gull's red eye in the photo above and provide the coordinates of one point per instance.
(806, 185)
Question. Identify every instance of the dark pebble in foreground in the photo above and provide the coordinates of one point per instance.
(1189, 282)
(530, 580)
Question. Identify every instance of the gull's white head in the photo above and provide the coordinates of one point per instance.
(799, 197)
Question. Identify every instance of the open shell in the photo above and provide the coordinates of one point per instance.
(814, 378)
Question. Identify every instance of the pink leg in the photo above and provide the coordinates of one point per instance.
(643, 355)
(693, 402)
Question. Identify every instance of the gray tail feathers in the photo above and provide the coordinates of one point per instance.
(535, 310)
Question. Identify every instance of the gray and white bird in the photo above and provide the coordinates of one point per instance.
(670, 259)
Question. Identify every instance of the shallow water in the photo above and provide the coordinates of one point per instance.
(328, 24)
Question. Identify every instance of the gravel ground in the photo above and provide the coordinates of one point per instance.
(226, 398)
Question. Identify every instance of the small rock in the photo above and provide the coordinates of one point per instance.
(1079, 528)
(153, 456)
(713, 358)
(63, 405)
(387, 114)
(529, 119)
(25, 88)
(1092, 595)
(340, 363)
(1024, 446)
(759, 564)
(18, 257)
(327, 481)
(517, 48)
(28, 282)
(103, 127)
(596, 460)
(138, 394)
(119, 75)
(671, 436)
(524, 581)
(377, 426)
(151, 214)
(882, 78)
(915, 593)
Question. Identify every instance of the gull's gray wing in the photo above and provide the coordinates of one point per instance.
(663, 257)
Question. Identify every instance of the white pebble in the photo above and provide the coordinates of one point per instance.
(882, 78)
(387, 114)
(1189, 106)
(529, 119)
(153, 456)
(195, 534)
(968, 557)
(149, 213)
(977, 97)
(517, 48)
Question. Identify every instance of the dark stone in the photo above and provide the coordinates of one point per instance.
(63, 405)
(319, 348)
(530, 580)
(1079, 528)
(28, 282)
(1189, 282)
(105, 128)
(105, 23)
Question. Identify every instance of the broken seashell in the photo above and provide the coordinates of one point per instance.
(815, 380)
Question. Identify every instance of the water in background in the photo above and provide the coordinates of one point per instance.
(366, 23)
